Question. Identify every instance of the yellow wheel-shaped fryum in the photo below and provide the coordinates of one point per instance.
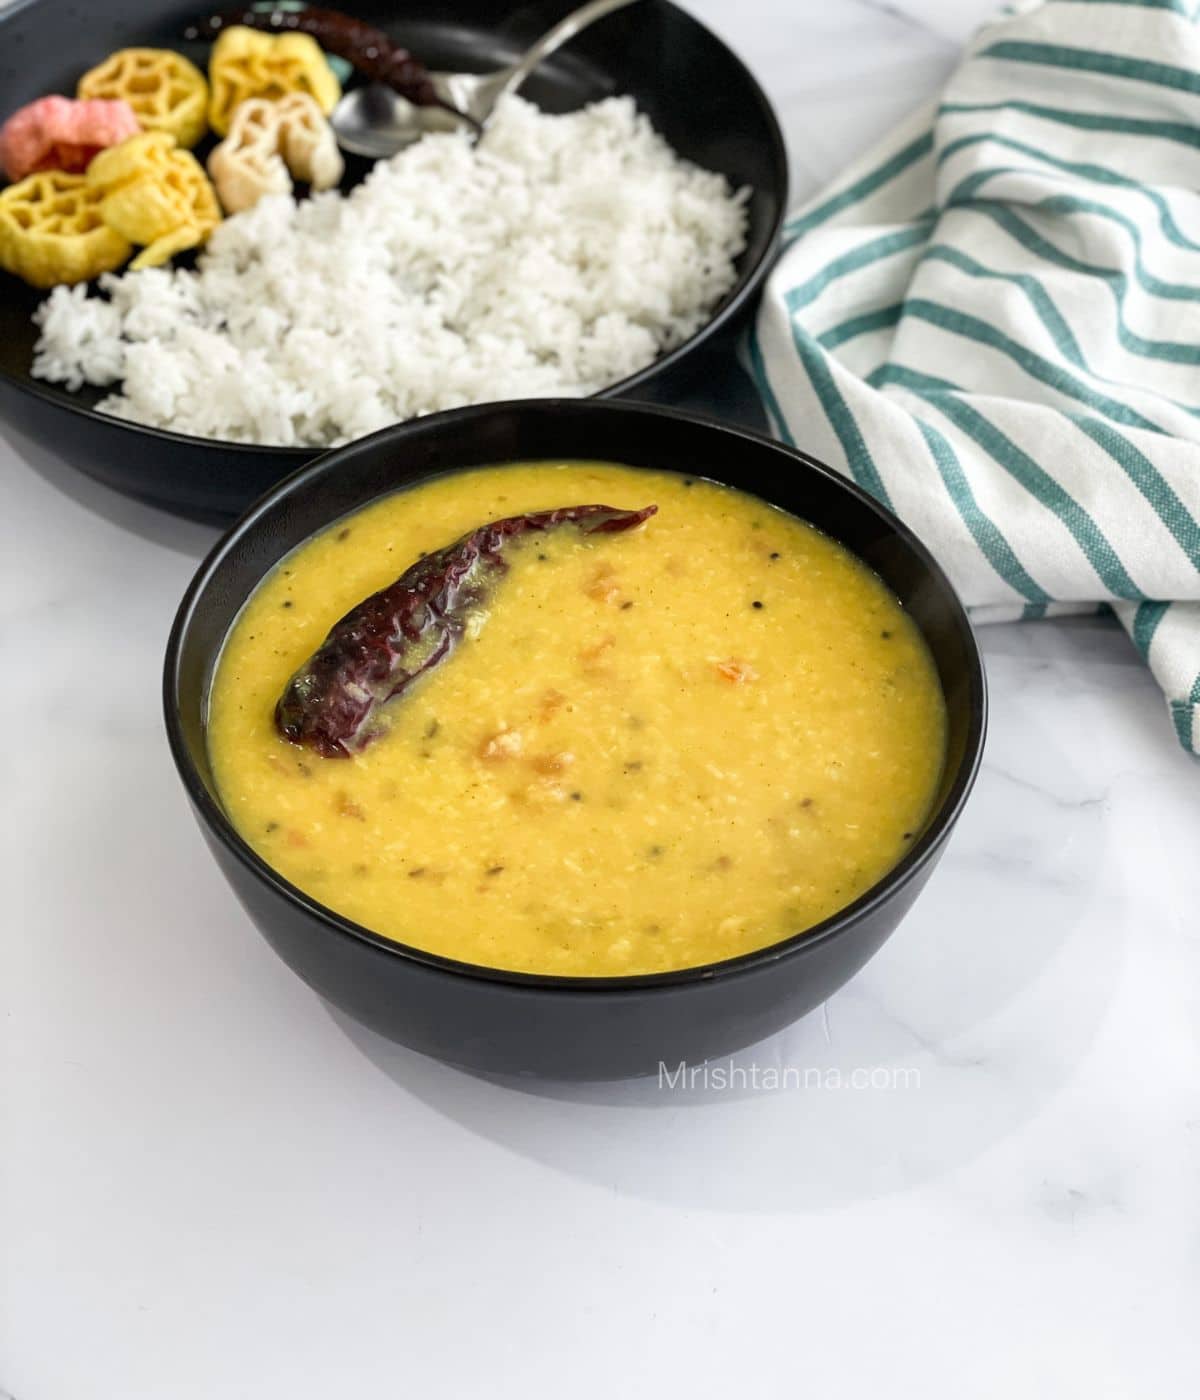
(151, 192)
(166, 91)
(245, 63)
(52, 231)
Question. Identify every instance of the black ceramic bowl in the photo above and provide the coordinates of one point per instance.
(698, 94)
(512, 1023)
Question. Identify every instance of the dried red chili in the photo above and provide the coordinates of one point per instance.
(380, 647)
(362, 45)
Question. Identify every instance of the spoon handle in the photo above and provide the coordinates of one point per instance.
(555, 38)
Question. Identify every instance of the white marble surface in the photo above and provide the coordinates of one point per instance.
(211, 1187)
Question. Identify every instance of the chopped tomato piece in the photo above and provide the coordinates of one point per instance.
(736, 672)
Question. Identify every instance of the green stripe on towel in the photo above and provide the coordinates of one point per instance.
(860, 325)
(1000, 554)
(1179, 132)
(1112, 65)
(860, 189)
(1036, 366)
(1183, 715)
(873, 251)
(1149, 481)
(1048, 313)
(758, 372)
(1145, 624)
(858, 454)
(1178, 7)
(1029, 237)
(944, 396)
(1037, 296)
(1085, 170)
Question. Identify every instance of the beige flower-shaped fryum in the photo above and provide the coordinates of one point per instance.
(247, 164)
(266, 141)
(308, 144)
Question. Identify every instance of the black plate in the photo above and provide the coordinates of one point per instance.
(697, 93)
(512, 1023)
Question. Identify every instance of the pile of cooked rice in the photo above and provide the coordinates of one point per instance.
(558, 255)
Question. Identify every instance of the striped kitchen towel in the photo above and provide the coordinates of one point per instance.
(992, 324)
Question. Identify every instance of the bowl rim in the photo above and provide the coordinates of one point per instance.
(213, 816)
(746, 287)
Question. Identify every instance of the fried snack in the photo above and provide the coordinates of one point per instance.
(307, 141)
(166, 91)
(245, 63)
(153, 193)
(247, 164)
(268, 143)
(358, 45)
(59, 133)
(52, 231)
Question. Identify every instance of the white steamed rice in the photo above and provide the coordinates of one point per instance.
(557, 256)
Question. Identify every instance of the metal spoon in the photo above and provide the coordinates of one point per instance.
(377, 122)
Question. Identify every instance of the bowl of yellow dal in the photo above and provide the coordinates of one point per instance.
(571, 738)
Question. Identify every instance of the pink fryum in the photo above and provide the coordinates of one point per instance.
(61, 133)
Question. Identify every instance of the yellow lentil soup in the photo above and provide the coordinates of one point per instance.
(655, 749)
